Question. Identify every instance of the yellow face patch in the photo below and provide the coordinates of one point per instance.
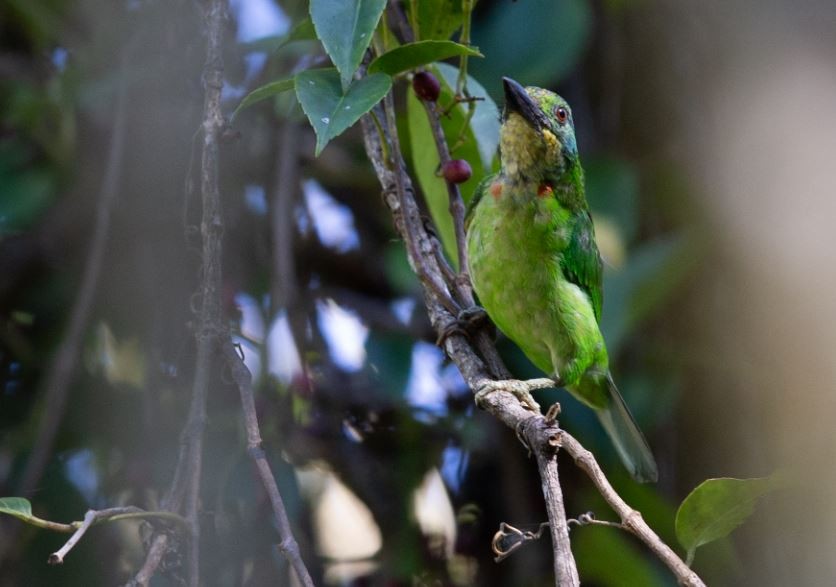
(552, 144)
(520, 144)
(523, 148)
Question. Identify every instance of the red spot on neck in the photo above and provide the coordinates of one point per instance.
(496, 190)
(545, 190)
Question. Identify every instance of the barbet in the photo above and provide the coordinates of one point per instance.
(535, 265)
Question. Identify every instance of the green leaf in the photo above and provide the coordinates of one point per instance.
(437, 19)
(414, 55)
(345, 28)
(18, 507)
(716, 507)
(329, 110)
(301, 31)
(262, 93)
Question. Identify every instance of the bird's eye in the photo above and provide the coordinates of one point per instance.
(561, 114)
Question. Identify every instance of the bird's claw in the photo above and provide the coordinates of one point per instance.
(467, 321)
(519, 389)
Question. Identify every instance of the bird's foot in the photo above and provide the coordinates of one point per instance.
(467, 322)
(520, 389)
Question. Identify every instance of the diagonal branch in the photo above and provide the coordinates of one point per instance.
(630, 519)
(398, 195)
(93, 517)
(243, 380)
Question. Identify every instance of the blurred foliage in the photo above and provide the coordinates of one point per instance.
(359, 397)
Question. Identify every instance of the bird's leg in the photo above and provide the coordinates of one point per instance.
(520, 389)
(467, 322)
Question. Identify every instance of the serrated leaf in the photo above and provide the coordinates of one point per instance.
(18, 507)
(329, 110)
(716, 507)
(479, 153)
(262, 93)
(345, 28)
(414, 55)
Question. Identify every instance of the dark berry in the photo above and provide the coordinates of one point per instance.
(456, 171)
(426, 86)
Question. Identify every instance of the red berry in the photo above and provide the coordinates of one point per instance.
(456, 171)
(426, 86)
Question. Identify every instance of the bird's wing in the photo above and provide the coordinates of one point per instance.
(581, 261)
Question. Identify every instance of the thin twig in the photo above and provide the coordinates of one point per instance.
(456, 203)
(589, 519)
(93, 517)
(159, 546)
(630, 519)
(243, 379)
(509, 539)
(285, 193)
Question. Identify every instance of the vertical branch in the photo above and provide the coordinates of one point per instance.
(210, 322)
(454, 195)
(565, 569)
(283, 286)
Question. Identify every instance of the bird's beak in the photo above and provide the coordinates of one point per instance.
(517, 100)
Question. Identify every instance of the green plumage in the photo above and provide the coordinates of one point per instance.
(535, 265)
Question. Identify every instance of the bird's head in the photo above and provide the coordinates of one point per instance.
(537, 139)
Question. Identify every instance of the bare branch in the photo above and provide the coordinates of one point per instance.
(211, 229)
(630, 519)
(501, 403)
(93, 517)
(243, 379)
(453, 193)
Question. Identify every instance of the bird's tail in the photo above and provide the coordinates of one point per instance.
(628, 439)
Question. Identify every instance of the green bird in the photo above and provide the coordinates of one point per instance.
(535, 265)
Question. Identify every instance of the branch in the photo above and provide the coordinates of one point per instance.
(243, 379)
(211, 229)
(630, 519)
(541, 434)
(398, 195)
(93, 517)
(184, 493)
(454, 195)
